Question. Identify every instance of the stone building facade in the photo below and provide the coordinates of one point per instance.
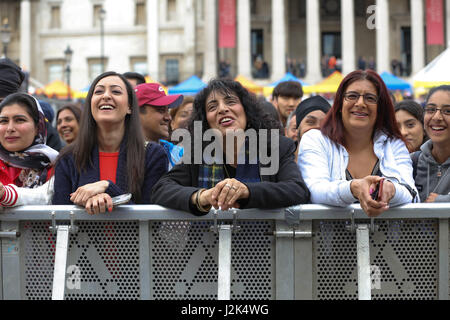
(173, 39)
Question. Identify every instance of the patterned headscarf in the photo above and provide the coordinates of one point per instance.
(37, 159)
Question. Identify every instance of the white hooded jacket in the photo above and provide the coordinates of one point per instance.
(322, 164)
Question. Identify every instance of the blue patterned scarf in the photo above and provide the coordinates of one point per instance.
(210, 175)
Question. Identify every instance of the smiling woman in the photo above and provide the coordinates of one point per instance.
(25, 160)
(109, 156)
(409, 117)
(433, 160)
(235, 177)
(68, 122)
(358, 146)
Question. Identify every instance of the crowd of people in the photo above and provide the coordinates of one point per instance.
(364, 148)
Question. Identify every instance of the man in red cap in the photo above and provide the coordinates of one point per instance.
(154, 107)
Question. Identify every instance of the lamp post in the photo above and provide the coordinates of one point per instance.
(68, 58)
(6, 36)
(102, 16)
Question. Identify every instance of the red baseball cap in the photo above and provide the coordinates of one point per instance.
(153, 94)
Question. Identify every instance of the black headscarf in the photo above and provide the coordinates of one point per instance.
(11, 77)
(309, 105)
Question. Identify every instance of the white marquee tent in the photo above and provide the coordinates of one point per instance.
(436, 73)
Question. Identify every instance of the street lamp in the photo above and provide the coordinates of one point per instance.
(6, 36)
(68, 58)
(102, 16)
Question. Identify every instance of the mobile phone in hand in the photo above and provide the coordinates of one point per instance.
(123, 198)
(376, 195)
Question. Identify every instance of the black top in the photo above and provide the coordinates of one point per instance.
(283, 189)
(229, 171)
(375, 171)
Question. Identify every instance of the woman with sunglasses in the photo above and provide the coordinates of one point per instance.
(358, 148)
(432, 162)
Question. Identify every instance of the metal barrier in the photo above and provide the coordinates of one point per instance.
(150, 252)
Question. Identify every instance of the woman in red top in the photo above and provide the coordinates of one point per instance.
(109, 156)
(25, 159)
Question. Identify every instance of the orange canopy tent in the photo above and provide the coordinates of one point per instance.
(56, 89)
(249, 85)
(328, 85)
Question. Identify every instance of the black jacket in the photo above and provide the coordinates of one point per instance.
(53, 139)
(284, 189)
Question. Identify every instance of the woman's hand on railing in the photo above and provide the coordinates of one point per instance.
(361, 189)
(431, 197)
(99, 203)
(82, 194)
(388, 192)
(227, 192)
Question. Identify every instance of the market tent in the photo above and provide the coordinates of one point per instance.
(328, 85)
(188, 87)
(287, 77)
(249, 85)
(55, 89)
(394, 83)
(81, 94)
(435, 73)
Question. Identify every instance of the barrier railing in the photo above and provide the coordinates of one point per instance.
(150, 252)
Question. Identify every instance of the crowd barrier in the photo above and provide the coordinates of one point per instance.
(150, 252)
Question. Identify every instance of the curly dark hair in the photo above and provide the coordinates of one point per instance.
(257, 117)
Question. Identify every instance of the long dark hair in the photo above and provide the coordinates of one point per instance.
(333, 126)
(86, 140)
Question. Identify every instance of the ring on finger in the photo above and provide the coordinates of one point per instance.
(228, 186)
(233, 187)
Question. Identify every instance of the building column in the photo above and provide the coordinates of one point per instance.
(278, 40)
(313, 54)
(210, 43)
(153, 39)
(417, 34)
(25, 35)
(189, 39)
(382, 25)
(348, 36)
(243, 37)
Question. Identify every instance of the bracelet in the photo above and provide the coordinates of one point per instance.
(197, 202)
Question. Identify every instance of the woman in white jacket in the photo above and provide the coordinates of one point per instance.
(359, 144)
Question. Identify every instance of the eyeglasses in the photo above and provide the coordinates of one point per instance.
(431, 110)
(354, 96)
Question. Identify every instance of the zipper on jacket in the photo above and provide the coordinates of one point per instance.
(439, 172)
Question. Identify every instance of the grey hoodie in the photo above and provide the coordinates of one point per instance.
(431, 176)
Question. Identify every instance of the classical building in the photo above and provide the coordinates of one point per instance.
(172, 39)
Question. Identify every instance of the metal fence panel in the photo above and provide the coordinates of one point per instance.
(106, 254)
(184, 261)
(404, 251)
(149, 252)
